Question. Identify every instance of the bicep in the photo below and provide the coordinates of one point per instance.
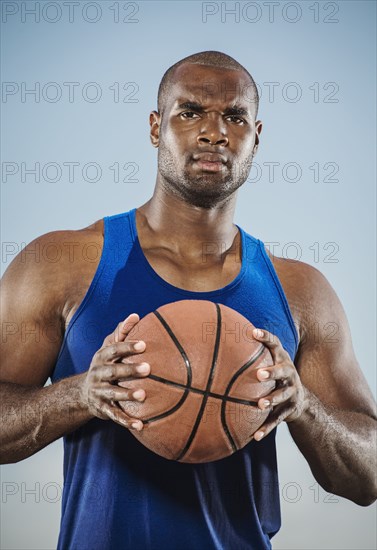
(326, 361)
(31, 325)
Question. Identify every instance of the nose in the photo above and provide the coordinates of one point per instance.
(213, 131)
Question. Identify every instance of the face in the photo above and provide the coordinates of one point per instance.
(207, 134)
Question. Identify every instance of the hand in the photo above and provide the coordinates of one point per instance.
(109, 365)
(289, 399)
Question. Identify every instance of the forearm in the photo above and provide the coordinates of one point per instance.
(340, 447)
(31, 418)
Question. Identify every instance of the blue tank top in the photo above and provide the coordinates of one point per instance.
(119, 495)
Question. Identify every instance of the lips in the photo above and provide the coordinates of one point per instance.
(210, 157)
(210, 162)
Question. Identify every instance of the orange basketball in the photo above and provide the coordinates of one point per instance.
(202, 393)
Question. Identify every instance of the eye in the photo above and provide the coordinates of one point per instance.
(236, 119)
(189, 114)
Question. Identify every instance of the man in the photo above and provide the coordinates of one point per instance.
(118, 494)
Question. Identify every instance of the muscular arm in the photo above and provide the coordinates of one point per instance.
(33, 417)
(340, 447)
(337, 430)
(33, 308)
(326, 401)
(37, 297)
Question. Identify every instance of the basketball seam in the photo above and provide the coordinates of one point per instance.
(241, 370)
(208, 386)
(202, 392)
(188, 371)
(178, 344)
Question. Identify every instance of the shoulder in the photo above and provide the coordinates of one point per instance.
(64, 247)
(44, 271)
(40, 288)
(51, 251)
(302, 276)
(311, 297)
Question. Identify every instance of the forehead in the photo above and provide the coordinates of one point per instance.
(211, 85)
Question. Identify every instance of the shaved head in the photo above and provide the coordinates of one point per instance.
(210, 59)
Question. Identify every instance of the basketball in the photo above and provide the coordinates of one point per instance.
(202, 392)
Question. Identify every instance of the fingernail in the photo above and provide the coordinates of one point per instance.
(144, 367)
(264, 374)
(266, 403)
(137, 426)
(139, 394)
(258, 333)
(258, 435)
(139, 345)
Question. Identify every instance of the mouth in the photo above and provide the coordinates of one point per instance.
(210, 162)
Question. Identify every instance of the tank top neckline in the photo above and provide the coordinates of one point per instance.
(193, 293)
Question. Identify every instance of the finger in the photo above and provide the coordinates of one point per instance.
(274, 419)
(276, 397)
(127, 325)
(282, 371)
(122, 329)
(114, 372)
(119, 350)
(272, 342)
(117, 393)
(116, 414)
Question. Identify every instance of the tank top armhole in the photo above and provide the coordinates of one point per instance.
(90, 289)
(280, 289)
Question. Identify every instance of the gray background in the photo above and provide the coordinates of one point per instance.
(319, 125)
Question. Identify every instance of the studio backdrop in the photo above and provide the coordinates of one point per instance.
(78, 82)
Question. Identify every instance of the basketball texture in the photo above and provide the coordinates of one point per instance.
(202, 393)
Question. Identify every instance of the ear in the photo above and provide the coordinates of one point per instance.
(258, 131)
(154, 122)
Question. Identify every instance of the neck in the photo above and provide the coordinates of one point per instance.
(185, 228)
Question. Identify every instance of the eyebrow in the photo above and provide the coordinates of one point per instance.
(198, 108)
(236, 110)
(192, 106)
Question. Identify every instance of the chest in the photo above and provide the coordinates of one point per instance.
(198, 275)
